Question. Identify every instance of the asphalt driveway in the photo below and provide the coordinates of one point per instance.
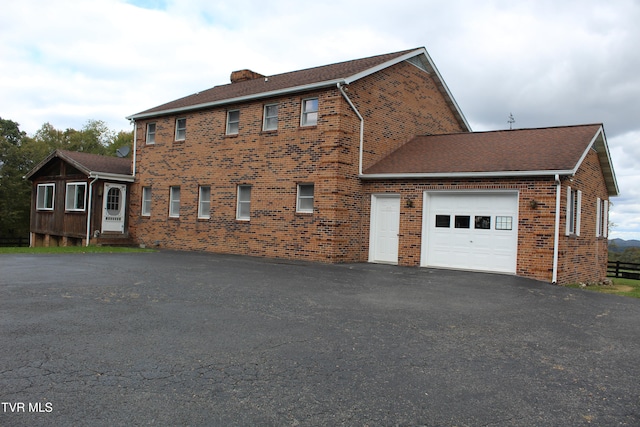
(172, 338)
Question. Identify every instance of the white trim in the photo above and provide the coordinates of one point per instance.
(304, 122)
(578, 211)
(238, 201)
(177, 128)
(568, 213)
(464, 174)
(265, 117)
(145, 189)
(53, 196)
(112, 176)
(605, 219)
(312, 197)
(146, 141)
(201, 200)
(75, 184)
(229, 122)
(598, 217)
(173, 200)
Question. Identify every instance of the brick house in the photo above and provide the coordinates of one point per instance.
(79, 198)
(368, 160)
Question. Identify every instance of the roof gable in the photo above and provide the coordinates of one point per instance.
(87, 163)
(530, 152)
(302, 80)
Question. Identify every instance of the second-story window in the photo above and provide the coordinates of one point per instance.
(270, 117)
(151, 133)
(309, 112)
(181, 129)
(233, 122)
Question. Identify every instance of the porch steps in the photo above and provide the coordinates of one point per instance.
(123, 240)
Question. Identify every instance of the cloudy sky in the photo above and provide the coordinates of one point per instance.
(548, 62)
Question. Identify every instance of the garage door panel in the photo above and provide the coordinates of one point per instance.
(487, 240)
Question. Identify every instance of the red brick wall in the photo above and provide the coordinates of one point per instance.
(393, 103)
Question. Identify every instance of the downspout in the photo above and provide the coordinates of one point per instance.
(89, 208)
(556, 237)
(135, 145)
(355, 110)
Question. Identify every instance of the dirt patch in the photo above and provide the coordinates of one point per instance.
(622, 288)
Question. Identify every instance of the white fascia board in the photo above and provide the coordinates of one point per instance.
(499, 174)
(303, 88)
(112, 176)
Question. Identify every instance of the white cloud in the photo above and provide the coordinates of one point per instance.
(547, 62)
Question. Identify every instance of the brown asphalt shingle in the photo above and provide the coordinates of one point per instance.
(542, 149)
(278, 82)
(98, 163)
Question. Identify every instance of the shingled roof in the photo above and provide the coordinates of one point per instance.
(299, 81)
(89, 164)
(522, 152)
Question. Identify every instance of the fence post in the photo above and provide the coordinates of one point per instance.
(617, 268)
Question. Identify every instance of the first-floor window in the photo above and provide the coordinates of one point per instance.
(44, 197)
(602, 218)
(174, 202)
(574, 200)
(146, 201)
(305, 198)
(76, 195)
(244, 202)
(204, 202)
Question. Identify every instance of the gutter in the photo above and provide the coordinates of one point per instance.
(556, 236)
(501, 174)
(89, 208)
(355, 110)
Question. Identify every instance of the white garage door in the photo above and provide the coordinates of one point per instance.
(470, 230)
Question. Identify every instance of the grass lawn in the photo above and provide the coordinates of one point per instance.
(70, 250)
(624, 287)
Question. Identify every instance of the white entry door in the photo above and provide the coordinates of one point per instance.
(113, 207)
(470, 230)
(385, 226)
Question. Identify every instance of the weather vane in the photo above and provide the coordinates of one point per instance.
(511, 121)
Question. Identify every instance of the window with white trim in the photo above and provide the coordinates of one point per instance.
(146, 201)
(204, 202)
(574, 201)
(270, 121)
(181, 129)
(233, 122)
(44, 197)
(174, 202)
(76, 196)
(243, 211)
(151, 133)
(309, 116)
(602, 218)
(305, 198)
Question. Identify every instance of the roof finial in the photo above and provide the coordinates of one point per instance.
(511, 121)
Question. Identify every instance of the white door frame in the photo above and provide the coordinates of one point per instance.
(113, 221)
(373, 227)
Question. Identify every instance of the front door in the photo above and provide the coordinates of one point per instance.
(113, 207)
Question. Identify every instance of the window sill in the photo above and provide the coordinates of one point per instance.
(203, 219)
(305, 127)
(269, 132)
(232, 135)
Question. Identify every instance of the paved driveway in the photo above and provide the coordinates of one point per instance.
(173, 338)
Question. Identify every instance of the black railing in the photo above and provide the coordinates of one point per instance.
(626, 270)
(14, 241)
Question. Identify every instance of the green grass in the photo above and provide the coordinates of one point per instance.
(71, 250)
(623, 287)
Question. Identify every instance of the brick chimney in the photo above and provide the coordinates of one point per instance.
(243, 75)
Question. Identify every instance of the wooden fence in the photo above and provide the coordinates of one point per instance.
(626, 270)
(14, 241)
